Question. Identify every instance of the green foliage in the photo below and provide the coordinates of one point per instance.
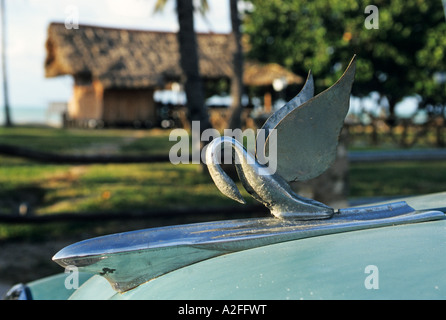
(398, 59)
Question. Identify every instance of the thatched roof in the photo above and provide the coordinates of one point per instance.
(133, 58)
(264, 74)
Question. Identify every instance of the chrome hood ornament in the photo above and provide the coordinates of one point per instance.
(307, 130)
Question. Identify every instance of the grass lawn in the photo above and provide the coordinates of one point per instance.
(390, 179)
(54, 189)
(110, 187)
(79, 141)
(107, 189)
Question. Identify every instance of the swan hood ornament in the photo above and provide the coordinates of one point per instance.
(307, 129)
(304, 133)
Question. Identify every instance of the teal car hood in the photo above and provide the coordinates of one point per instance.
(394, 262)
(391, 262)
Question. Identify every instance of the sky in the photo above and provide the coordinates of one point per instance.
(27, 22)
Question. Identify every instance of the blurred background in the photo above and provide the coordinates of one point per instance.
(92, 90)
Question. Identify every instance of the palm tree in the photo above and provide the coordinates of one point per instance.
(8, 122)
(237, 78)
(189, 59)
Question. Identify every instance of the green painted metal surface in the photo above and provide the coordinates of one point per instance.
(398, 262)
(55, 288)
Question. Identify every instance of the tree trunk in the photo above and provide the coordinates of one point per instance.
(237, 77)
(189, 63)
(8, 121)
(391, 120)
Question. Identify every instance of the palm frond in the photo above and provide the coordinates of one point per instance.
(159, 5)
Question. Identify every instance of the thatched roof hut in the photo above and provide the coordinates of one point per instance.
(130, 58)
(117, 70)
(255, 74)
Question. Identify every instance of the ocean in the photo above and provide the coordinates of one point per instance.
(33, 116)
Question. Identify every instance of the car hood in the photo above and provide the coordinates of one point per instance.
(128, 260)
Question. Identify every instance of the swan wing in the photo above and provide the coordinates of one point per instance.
(307, 135)
(303, 96)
